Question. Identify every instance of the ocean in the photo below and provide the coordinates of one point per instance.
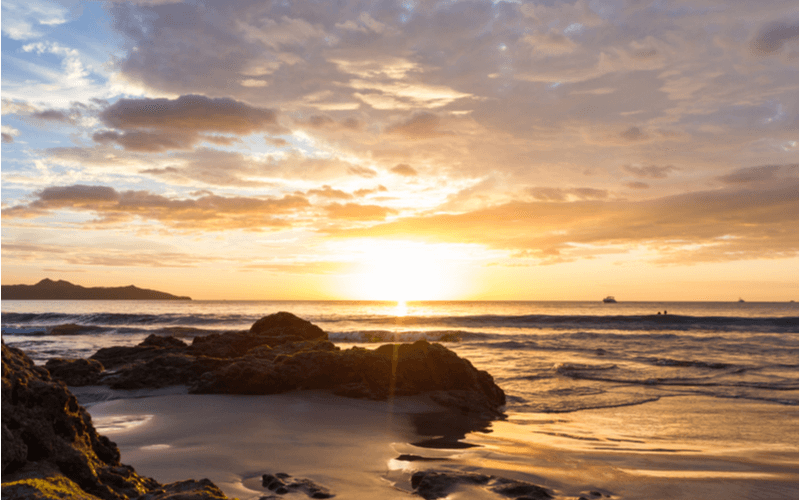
(671, 379)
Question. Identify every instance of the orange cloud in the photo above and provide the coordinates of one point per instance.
(355, 211)
(208, 212)
(717, 225)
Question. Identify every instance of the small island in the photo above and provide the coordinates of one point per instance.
(48, 289)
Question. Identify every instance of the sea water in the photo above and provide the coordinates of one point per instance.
(696, 382)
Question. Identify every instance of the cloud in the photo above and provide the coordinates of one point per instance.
(362, 171)
(650, 171)
(191, 113)
(637, 185)
(737, 224)
(404, 169)
(355, 211)
(164, 124)
(765, 174)
(367, 192)
(9, 133)
(24, 20)
(52, 115)
(207, 212)
(773, 36)
(565, 194)
(552, 43)
(634, 134)
(328, 192)
(422, 125)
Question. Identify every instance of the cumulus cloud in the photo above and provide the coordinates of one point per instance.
(163, 124)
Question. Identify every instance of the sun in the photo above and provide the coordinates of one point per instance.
(402, 271)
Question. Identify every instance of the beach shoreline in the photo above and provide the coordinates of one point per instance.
(351, 447)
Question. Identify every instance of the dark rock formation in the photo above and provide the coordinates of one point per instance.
(51, 450)
(281, 483)
(282, 352)
(75, 372)
(284, 323)
(431, 485)
(48, 289)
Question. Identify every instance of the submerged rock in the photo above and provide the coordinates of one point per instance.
(282, 352)
(431, 485)
(282, 483)
(50, 448)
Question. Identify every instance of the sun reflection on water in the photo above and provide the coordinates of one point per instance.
(400, 309)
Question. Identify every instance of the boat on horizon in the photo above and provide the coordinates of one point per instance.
(610, 300)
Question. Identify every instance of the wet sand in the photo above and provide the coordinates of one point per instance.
(351, 447)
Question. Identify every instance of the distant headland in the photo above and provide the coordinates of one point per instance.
(48, 289)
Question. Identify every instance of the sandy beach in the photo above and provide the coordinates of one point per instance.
(355, 448)
(345, 445)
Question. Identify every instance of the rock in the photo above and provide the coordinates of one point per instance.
(281, 353)
(287, 324)
(41, 417)
(281, 484)
(50, 449)
(431, 485)
(75, 372)
(186, 490)
(154, 340)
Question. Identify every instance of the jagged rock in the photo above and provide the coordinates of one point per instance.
(50, 449)
(75, 372)
(431, 485)
(41, 417)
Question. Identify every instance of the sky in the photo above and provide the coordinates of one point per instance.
(403, 150)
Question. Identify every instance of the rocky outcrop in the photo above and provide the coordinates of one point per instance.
(281, 353)
(50, 448)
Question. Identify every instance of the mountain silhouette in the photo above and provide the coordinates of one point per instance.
(48, 289)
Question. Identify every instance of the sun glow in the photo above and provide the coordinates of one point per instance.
(401, 271)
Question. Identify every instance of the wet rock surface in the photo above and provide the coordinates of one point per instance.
(50, 448)
(431, 485)
(282, 483)
(281, 353)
